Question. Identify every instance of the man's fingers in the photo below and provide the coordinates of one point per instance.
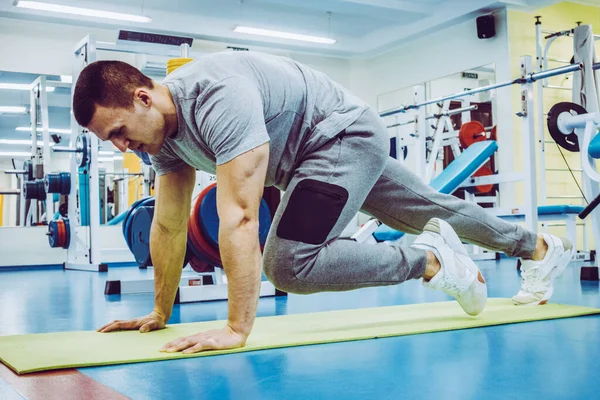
(198, 347)
(106, 326)
(120, 326)
(149, 326)
(178, 346)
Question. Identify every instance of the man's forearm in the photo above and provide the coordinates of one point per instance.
(242, 259)
(168, 252)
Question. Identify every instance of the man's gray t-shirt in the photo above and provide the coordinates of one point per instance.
(230, 103)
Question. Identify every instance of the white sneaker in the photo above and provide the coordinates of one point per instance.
(458, 276)
(537, 283)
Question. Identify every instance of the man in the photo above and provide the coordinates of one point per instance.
(258, 120)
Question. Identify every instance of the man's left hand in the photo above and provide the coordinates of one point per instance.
(218, 339)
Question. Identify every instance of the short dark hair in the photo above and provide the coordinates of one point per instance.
(106, 84)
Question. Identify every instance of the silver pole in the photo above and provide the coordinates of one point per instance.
(540, 113)
(532, 77)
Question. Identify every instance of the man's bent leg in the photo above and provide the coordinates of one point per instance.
(303, 253)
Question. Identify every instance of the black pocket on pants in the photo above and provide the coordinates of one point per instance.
(312, 211)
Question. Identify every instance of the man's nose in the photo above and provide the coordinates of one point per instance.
(121, 144)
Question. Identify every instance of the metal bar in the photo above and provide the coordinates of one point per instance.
(122, 173)
(17, 192)
(528, 134)
(64, 149)
(558, 87)
(552, 34)
(559, 60)
(564, 170)
(435, 116)
(531, 77)
(556, 71)
(540, 114)
(15, 171)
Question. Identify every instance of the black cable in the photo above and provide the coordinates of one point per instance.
(13, 163)
(573, 175)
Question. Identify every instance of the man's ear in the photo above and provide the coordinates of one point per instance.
(142, 95)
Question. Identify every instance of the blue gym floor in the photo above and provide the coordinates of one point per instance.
(557, 359)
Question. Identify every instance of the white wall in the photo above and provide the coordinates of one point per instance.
(437, 55)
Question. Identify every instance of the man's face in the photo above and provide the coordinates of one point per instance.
(138, 128)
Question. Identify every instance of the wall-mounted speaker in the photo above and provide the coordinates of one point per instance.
(486, 27)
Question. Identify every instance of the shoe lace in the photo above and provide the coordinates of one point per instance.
(450, 285)
(531, 282)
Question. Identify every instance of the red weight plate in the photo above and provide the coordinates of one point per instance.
(200, 266)
(62, 232)
(471, 132)
(198, 239)
(484, 171)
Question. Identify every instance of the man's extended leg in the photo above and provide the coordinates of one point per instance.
(472, 224)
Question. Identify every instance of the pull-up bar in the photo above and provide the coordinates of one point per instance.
(447, 113)
(530, 78)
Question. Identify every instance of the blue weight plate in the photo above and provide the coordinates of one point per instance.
(264, 222)
(141, 221)
(53, 233)
(147, 201)
(67, 233)
(208, 219)
(65, 183)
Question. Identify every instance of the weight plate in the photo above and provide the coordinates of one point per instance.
(471, 132)
(484, 171)
(569, 141)
(81, 145)
(61, 233)
(67, 233)
(146, 201)
(209, 218)
(65, 183)
(52, 234)
(199, 240)
(141, 221)
(200, 266)
(28, 167)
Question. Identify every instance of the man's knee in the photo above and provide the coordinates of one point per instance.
(282, 276)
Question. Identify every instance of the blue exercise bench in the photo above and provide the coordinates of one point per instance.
(470, 161)
(450, 178)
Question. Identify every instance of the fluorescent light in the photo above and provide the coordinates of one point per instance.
(88, 12)
(110, 158)
(39, 129)
(23, 141)
(22, 86)
(15, 153)
(106, 153)
(13, 110)
(66, 78)
(283, 35)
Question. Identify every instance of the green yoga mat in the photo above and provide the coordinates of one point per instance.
(48, 351)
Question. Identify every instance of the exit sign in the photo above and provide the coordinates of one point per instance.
(471, 75)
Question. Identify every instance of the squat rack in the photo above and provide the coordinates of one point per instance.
(526, 80)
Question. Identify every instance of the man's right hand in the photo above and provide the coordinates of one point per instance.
(151, 322)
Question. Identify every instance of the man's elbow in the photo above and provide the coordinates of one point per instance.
(239, 219)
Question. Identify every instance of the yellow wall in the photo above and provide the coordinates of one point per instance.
(522, 41)
(131, 162)
(1, 208)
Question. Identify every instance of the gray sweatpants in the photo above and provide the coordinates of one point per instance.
(353, 172)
